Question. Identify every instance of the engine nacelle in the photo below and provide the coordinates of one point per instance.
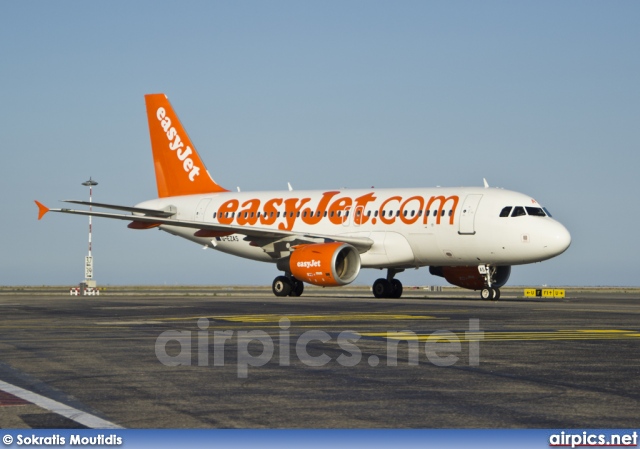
(470, 277)
(325, 264)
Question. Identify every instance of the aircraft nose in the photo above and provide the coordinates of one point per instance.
(558, 239)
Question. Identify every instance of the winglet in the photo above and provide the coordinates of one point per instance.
(42, 209)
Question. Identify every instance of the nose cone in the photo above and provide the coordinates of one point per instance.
(557, 239)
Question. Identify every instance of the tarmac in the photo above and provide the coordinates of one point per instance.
(239, 357)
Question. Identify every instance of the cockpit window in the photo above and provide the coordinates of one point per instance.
(547, 211)
(505, 212)
(518, 211)
(535, 211)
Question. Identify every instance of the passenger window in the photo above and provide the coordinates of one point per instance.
(505, 212)
(535, 211)
(450, 212)
(442, 213)
(214, 214)
(518, 211)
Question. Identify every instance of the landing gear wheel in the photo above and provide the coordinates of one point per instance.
(396, 286)
(496, 294)
(487, 294)
(282, 286)
(297, 289)
(382, 288)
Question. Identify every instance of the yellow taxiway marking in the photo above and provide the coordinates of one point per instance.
(274, 318)
(578, 334)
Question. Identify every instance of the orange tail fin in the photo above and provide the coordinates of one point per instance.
(179, 169)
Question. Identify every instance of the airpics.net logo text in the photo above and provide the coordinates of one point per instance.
(256, 348)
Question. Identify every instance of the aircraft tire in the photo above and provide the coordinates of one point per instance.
(382, 288)
(297, 288)
(282, 286)
(496, 293)
(487, 294)
(396, 286)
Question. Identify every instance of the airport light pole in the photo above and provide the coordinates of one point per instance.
(88, 261)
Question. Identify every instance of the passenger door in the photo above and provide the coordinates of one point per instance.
(468, 215)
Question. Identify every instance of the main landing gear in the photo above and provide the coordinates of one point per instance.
(389, 287)
(287, 286)
(488, 293)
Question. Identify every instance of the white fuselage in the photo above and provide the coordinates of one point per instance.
(409, 227)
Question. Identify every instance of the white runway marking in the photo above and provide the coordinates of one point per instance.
(86, 419)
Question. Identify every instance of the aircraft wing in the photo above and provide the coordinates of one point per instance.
(139, 210)
(149, 218)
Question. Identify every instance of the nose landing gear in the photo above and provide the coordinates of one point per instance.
(489, 293)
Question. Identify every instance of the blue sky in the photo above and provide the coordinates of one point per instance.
(539, 97)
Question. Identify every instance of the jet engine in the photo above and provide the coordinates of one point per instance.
(325, 264)
(470, 277)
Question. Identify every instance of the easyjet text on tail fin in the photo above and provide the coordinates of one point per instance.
(179, 169)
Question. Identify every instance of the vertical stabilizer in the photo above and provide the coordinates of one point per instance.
(179, 169)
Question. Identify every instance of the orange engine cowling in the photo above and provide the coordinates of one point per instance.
(469, 277)
(325, 264)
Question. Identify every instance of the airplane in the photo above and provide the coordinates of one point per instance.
(470, 236)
